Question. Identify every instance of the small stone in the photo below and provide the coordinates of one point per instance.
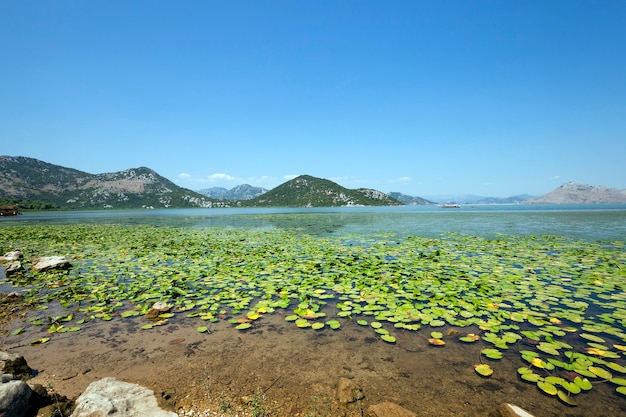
(348, 391)
(510, 410)
(389, 409)
(157, 308)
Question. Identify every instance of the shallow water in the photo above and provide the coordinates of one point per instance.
(299, 368)
(587, 222)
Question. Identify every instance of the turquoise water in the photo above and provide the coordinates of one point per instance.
(587, 222)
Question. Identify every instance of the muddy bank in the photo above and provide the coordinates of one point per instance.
(285, 371)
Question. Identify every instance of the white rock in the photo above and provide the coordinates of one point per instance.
(50, 262)
(112, 398)
(510, 410)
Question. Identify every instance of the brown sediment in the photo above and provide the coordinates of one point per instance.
(294, 370)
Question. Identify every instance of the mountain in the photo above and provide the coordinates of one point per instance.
(214, 192)
(27, 180)
(410, 200)
(575, 193)
(308, 191)
(240, 192)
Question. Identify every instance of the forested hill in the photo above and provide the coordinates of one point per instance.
(308, 191)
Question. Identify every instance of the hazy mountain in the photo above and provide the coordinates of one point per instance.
(240, 192)
(214, 192)
(575, 193)
(24, 180)
(308, 191)
(410, 200)
(478, 199)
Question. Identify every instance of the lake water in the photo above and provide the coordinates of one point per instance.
(302, 366)
(587, 222)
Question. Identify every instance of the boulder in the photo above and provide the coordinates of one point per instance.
(12, 268)
(12, 256)
(46, 263)
(14, 398)
(389, 409)
(14, 364)
(348, 391)
(510, 410)
(157, 308)
(109, 397)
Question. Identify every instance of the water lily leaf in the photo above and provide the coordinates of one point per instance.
(619, 381)
(436, 342)
(621, 390)
(565, 397)
(571, 387)
(202, 329)
(469, 338)
(317, 326)
(531, 377)
(333, 324)
(362, 322)
(388, 338)
(292, 317)
(375, 325)
(492, 353)
(17, 331)
(601, 372)
(616, 367)
(548, 348)
(592, 337)
(40, 341)
(547, 387)
(147, 326)
(483, 369)
(583, 383)
(243, 326)
(436, 335)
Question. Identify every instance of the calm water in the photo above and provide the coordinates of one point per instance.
(588, 222)
(274, 351)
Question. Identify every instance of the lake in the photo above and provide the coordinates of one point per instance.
(549, 306)
(587, 222)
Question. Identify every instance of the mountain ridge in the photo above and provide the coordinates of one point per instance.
(577, 193)
(29, 179)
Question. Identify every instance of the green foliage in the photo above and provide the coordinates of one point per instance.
(308, 191)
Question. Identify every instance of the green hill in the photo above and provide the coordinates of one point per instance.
(308, 191)
(32, 183)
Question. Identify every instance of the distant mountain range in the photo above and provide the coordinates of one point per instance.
(34, 184)
(575, 193)
(240, 192)
(478, 199)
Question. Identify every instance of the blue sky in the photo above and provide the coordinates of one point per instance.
(493, 98)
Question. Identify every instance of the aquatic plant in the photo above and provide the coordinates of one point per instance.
(558, 304)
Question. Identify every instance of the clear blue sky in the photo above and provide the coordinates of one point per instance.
(492, 98)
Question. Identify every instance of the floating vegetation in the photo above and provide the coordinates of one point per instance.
(558, 306)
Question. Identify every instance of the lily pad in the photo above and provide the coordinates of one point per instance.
(483, 369)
